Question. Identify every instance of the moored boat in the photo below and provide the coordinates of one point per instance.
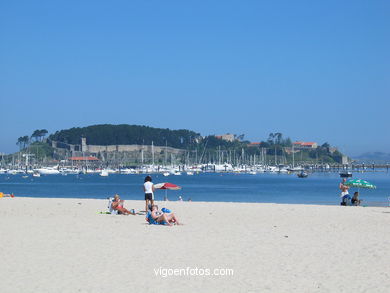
(302, 174)
(48, 171)
(346, 174)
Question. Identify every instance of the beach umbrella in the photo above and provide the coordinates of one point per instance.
(359, 183)
(166, 186)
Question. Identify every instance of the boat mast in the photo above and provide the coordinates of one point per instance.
(293, 156)
(275, 157)
(142, 153)
(152, 155)
(166, 148)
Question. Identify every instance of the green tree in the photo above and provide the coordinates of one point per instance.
(20, 143)
(271, 138)
(42, 134)
(36, 134)
(278, 138)
(287, 142)
(25, 141)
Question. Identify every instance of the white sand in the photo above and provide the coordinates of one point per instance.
(63, 245)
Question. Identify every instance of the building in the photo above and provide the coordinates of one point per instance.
(305, 145)
(228, 137)
(345, 160)
(118, 154)
(83, 159)
(254, 144)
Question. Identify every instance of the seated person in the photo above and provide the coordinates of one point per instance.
(163, 218)
(355, 199)
(117, 204)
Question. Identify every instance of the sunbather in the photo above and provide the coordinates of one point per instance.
(117, 204)
(6, 195)
(163, 218)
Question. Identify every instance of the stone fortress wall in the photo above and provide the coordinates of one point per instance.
(96, 149)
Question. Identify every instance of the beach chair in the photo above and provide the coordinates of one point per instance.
(110, 209)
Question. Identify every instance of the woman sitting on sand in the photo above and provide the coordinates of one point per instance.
(163, 218)
(355, 199)
(117, 204)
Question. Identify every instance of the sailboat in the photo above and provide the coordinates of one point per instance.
(104, 173)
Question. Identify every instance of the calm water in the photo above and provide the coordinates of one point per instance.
(318, 188)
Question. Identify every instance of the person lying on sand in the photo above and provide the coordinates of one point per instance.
(166, 218)
(6, 195)
(117, 204)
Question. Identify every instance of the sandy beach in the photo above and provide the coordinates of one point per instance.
(64, 245)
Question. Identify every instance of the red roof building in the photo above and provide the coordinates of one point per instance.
(306, 145)
(253, 144)
(78, 159)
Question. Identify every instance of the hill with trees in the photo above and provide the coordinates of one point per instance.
(211, 148)
(123, 134)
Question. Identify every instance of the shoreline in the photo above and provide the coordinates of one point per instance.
(385, 204)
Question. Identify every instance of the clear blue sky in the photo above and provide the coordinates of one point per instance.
(313, 70)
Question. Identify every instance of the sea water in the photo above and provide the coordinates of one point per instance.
(318, 188)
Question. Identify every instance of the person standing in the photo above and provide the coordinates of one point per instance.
(149, 192)
(344, 192)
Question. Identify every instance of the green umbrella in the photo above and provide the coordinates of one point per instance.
(359, 183)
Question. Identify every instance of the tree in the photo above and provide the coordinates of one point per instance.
(287, 142)
(241, 137)
(270, 139)
(278, 137)
(275, 138)
(25, 141)
(36, 134)
(20, 143)
(42, 134)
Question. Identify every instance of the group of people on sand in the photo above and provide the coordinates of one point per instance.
(153, 214)
(346, 200)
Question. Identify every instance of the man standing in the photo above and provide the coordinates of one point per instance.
(344, 193)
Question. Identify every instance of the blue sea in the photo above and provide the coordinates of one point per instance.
(318, 188)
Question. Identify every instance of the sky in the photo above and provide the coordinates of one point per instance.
(312, 70)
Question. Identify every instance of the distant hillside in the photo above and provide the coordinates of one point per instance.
(377, 157)
(123, 134)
